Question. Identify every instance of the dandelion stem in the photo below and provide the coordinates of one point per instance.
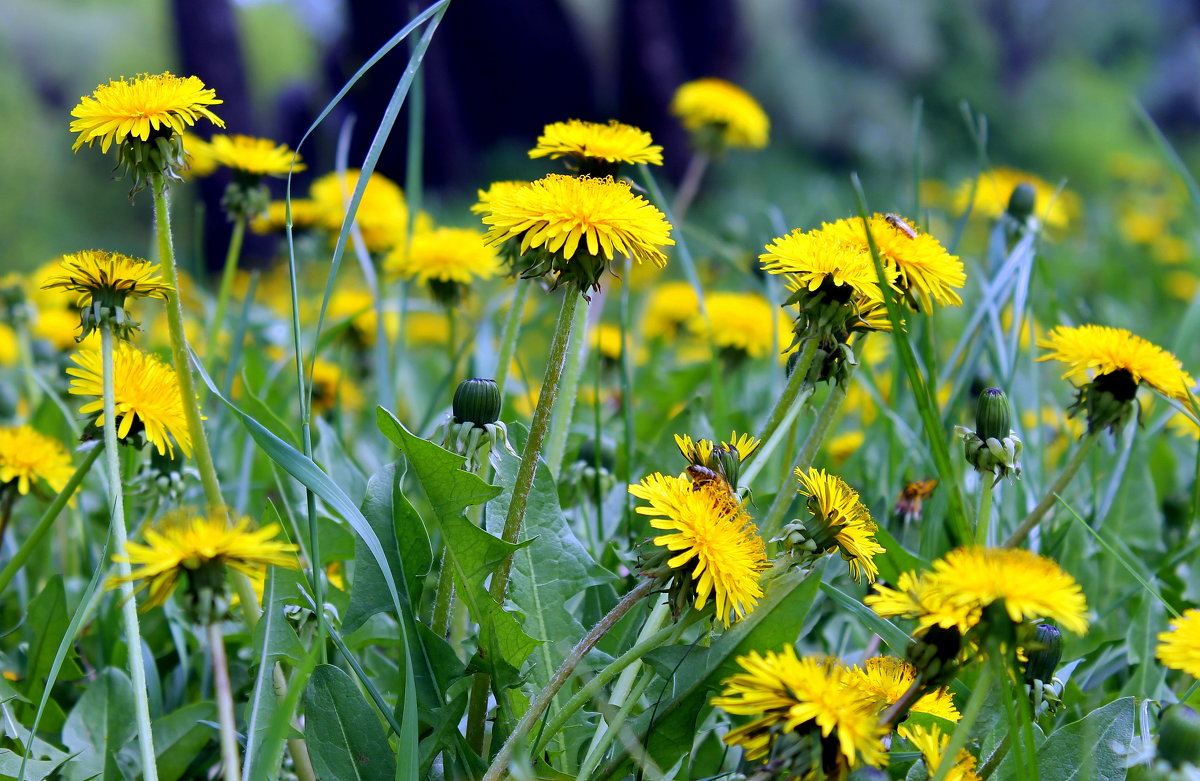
(958, 738)
(1064, 478)
(782, 410)
(39, 531)
(690, 185)
(512, 327)
(232, 256)
(560, 424)
(224, 694)
(983, 521)
(133, 635)
(541, 701)
(179, 350)
(899, 709)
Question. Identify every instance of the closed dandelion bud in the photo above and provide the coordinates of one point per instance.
(1021, 202)
(245, 199)
(993, 415)
(728, 463)
(1044, 653)
(1179, 736)
(206, 598)
(477, 401)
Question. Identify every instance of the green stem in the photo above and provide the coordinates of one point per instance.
(512, 327)
(538, 705)
(812, 443)
(30, 543)
(560, 424)
(958, 738)
(224, 694)
(28, 371)
(231, 264)
(1037, 513)
(179, 351)
(133, 635)
(477, 708)
(616, 723)
(771, 433)
(627, 356)
(689, 186)
(983, 522)
(589, 690)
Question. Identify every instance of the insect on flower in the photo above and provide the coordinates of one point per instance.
(702, 476)
(897, 222)
(908, 505)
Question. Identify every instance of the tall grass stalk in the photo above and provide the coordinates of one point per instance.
(232, 255)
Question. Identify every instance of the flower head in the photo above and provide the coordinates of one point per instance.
(671, 306)
(993, 190)
(382, 214)
(713, 547)
(717, 461)
(815, 260)
(145, 106)
(837, 521)
(925, 271)
(597, 149)
(447, 259)
(720, 115)
(495, 191)
(1179, 646)
(305, 214)
(104, 280)
(932, 743)
(787, 695)
(28, 457)
(253, 157)
(200, 547)
(147, 396)
(885, 679)
(576, 226)
(330, 388)
(740, 325)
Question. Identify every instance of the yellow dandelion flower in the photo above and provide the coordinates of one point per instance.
(714, 542)
(612, 143)
(742, 324)
(254, 157)
(840, 521)
(786, 694)
(605, 339)
(427, 328)
(495, 191)
(844, 445)
(561, 215)
(10, 347)
(671, 306)
(108, 277)
(808, 260)
(932, 743)
(187, 542)
(146, 392)
(727, 110)
(924, 268)
(995, 187)
(27, 456)
(1101, 351)
(147, 104)
(382, 212)
(200, 161)
(59, 327)
(456, 256)
(885, 679)
(1179, 646)
(331, 388)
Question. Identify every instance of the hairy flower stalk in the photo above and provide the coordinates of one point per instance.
(129, 616)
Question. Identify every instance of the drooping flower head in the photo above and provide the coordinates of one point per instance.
(597, 149)
(1113, 363)
(993, 190)
(447, 260)
(576, 226)
(932, 743)
(717, 461)
(29, 459)
(720, 115)
(713, 548)
(148, 401)
(1179, 646)
(199, 547)
(144, 117)
(104, 281)
(925, 271)
(837, 521)
(382, 214)
(793, 701)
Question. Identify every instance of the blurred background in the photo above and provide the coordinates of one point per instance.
(1059, 85)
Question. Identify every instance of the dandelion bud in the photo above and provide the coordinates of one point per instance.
(729, 463)
(1179, 736)
(1021, 202)
(935, 655)
(1044, 653)
(477, 401)
(993, 415)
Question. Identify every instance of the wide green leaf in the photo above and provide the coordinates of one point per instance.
(180, 736)
(35, 769)
(344, 736)
(894, 636)
(1088, 748)
(46, 626)
(99, 725)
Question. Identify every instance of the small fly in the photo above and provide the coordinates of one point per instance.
(897, 222)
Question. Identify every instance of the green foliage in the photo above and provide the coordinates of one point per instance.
(344, 737)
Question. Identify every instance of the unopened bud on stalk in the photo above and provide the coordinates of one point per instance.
(1044, 653)
(992, 446)
(1179, 736)
(993, 415)
(473, 426)
(477, 401)
(1021, 202)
